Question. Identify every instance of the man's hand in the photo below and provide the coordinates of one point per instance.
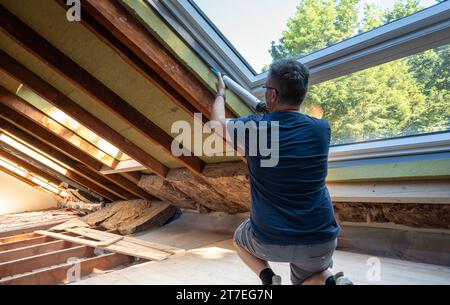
(220, 84)
(218, 108)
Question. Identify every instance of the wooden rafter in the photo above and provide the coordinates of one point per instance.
(34, 136)
(19, 106)
(19, 177)
(69, 176)
(43, 133)
(132, 176)
(123, 167)
(35, 171)
(63, 65)
(65, 104)
(112, 23)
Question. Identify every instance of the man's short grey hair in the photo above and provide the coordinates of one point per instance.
(291, 78)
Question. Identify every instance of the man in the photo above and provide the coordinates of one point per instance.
(292, 218)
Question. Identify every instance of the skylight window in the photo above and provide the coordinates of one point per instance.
(266, 30)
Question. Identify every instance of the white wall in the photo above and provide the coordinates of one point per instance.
(17, 196)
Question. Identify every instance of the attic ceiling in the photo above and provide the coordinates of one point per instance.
(110, 76)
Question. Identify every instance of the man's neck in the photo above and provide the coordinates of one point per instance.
(286, 109)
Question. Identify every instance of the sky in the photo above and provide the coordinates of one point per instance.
(245, 23)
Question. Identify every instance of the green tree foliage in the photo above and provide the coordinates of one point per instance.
(403, 97)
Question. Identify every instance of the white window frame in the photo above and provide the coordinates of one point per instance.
(424, 30)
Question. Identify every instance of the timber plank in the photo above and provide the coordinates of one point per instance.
(120, 247)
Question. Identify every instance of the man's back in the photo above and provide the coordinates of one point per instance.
(290, 202)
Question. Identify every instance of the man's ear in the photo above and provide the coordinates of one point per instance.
(271, 101)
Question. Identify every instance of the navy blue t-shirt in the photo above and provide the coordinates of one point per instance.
(291, 204)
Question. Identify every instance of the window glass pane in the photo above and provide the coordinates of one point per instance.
(405, 97)
(267, 30)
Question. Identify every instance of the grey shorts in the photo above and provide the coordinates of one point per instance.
(304, 260)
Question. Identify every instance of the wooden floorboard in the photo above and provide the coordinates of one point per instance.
(24, 243)
(59, 274)
(33, 250)
(15, 238)
(29, 264)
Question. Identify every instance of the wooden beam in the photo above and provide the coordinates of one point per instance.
(98, 179)
(65, 104)
(21, 106)
(19, 177)
(63, 65)
(58, 274)
(69, 176)
(29, 264)
(133, 176)
(20, 119)
(424, 192)
(24, 243)
(77, 166)
(33, 250)
(14, 238)
(29, 228)
(32, 169)
(41, 146)
(18, 104)
(122, 31)
(123, 167)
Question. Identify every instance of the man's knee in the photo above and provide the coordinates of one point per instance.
(238, 235)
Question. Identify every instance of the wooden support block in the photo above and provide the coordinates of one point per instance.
(94, 219)
(43, 260)
(156, 216)
(24, 243)
(33, 250)
(128, 217)
(202, 192)
(58, 274)
(163, 189)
